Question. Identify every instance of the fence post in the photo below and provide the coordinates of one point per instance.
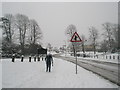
(97, 56)
(113, 57)
(110, 57)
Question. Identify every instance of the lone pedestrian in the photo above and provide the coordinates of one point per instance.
(49, 61)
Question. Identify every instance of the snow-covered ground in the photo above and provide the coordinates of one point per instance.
(33, 75)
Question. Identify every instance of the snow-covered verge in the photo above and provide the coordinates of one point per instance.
(32, 75)
(100, 57)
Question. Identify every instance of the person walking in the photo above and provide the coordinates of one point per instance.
(49, 62)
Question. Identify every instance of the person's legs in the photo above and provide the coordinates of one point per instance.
(46, 67)
(49, 67)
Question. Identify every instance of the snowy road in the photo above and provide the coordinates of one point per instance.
(33, 75)
(106, 69)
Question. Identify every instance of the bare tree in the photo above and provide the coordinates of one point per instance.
(34, 36)
(111, 36)
(71, 29)
(22, 23)
(8, 31)
(115, 28)
(104, 46)
(49, 47)
(119, 37)
(35, 33)
(108, 34)
(83, 42)
(93, 37)
(17, 28)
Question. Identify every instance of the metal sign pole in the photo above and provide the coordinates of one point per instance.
(75, 55)
(76, 60)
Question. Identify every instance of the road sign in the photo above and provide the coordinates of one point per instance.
(75, 38)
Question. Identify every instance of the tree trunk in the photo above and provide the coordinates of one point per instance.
(83, 48)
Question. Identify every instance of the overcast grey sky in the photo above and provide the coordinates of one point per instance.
(53, 18)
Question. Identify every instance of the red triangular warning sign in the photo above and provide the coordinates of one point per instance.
(75, 38)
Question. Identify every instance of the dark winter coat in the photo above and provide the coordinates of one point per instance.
(49, 59)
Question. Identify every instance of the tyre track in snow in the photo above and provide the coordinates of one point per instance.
(97, 68)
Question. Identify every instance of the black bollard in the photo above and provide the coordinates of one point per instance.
(13, 58)
(22, 58)
(42, 58)
(38, 58)
(35, 58)
(29, 58)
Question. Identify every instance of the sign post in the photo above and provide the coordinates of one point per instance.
(76, 60)
(75, 38)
